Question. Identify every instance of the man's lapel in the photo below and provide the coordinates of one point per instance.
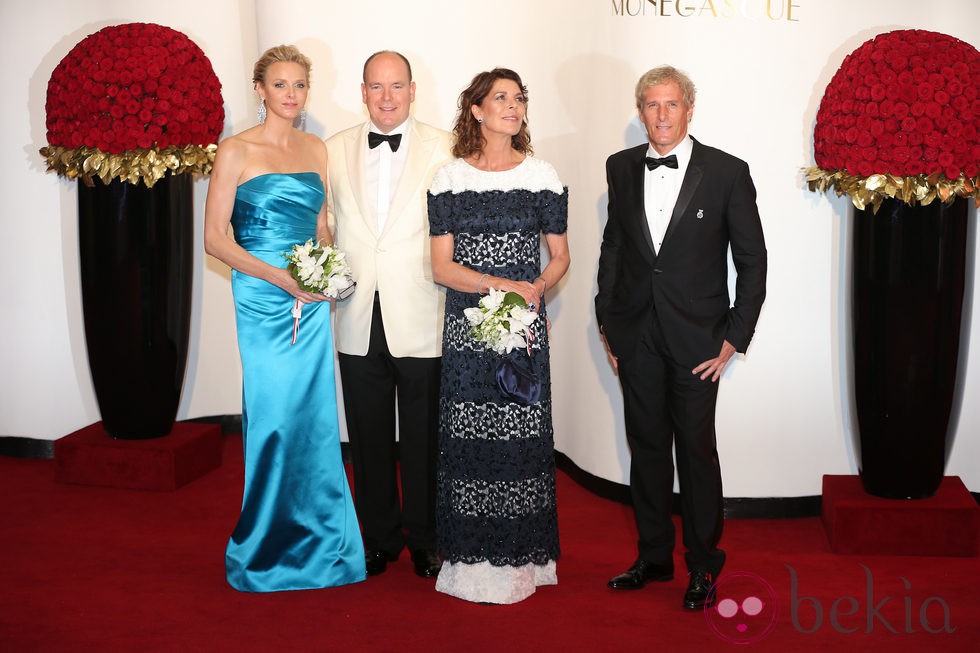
(637, 168)
(356, 143)
(692, 179)
(416, 166)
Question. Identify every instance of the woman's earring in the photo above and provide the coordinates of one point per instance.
(261, 112)
(302, 119)
(479, 121)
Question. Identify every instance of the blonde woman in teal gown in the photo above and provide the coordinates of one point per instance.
(297, 528)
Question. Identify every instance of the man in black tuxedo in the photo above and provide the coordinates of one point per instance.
(669, 327)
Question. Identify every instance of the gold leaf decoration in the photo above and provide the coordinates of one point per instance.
(142, 165)
(873, 190)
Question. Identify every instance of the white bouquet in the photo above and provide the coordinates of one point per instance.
(501, 321)
(321, 269)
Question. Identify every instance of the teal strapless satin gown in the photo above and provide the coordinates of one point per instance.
(298, 529)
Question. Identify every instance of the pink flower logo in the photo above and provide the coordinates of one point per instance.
(746, 608)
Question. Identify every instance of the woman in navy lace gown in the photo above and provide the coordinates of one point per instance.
(496, 515)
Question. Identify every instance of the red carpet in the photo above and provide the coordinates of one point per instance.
(101, 569)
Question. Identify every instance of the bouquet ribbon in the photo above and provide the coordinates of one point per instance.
(297, 312)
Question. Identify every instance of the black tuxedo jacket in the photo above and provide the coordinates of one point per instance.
(686, 282)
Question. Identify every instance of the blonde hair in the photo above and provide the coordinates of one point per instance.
(279, 54)
(665, 75)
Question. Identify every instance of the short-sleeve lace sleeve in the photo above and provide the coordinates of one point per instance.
(553, 211)
(439, 199)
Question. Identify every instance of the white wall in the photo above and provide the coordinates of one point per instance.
(783, 415)
(45, 388)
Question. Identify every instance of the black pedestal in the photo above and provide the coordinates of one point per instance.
(136, 246)
(909, 267)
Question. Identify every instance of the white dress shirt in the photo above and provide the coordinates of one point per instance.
(661, 188)
(383, 169)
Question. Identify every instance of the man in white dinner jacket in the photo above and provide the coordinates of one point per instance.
(389, 332)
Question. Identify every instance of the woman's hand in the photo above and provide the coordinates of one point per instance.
(283, 279)
(525, 289)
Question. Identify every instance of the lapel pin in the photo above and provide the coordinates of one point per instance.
(700, 213)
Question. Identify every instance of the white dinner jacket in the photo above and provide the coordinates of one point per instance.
(396, 262)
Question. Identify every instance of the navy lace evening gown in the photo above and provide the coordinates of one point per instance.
(496, 515)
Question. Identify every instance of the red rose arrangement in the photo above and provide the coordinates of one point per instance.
(899, 119)
(134, 101)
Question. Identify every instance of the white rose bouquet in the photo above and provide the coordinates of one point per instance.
(501, 321)
(320, 269)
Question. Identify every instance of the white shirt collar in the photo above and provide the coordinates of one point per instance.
(400, 129)
(682, 151)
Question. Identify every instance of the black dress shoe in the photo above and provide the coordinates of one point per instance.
(426, 562)
(641, 573)
(376, 562)
(700, 590)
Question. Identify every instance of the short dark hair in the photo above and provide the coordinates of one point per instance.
(380, 52)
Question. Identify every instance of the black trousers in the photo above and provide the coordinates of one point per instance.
(373, 384)
(664, 404)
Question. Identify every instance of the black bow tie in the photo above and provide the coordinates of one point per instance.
(394, 140)
(653, 164)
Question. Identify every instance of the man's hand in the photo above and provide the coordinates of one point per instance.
(715, 366)
(612, 358)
